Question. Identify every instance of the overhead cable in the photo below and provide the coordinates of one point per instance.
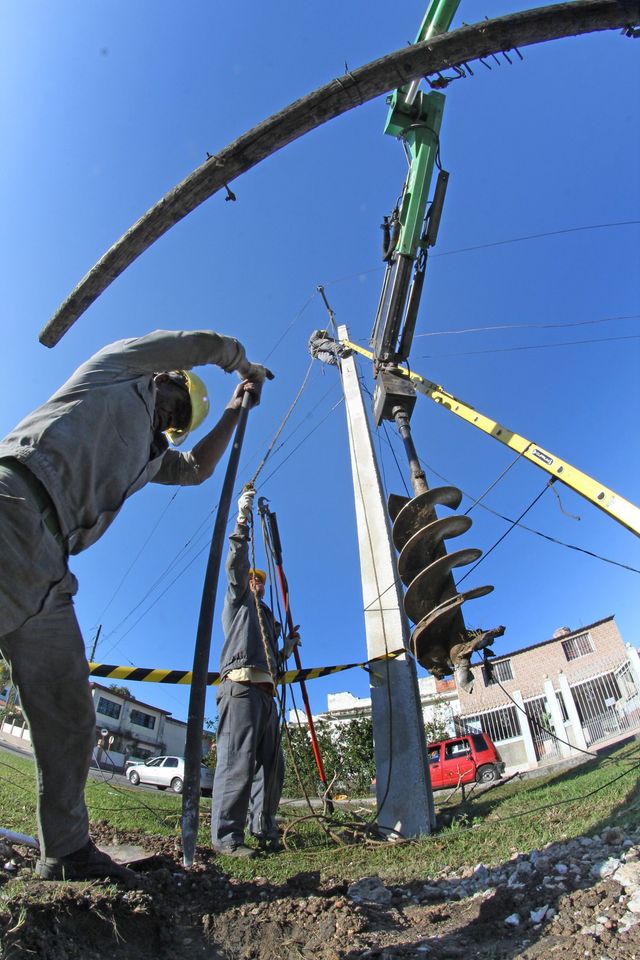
(537, 236)
(527, 326)
(497, 243)
(533, 346)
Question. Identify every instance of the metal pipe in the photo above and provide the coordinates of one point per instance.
(418, 477)
(193, 748)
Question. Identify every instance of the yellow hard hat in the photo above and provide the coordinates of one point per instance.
(198, 395)
(258, 575)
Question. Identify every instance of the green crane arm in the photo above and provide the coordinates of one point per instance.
(415, 118)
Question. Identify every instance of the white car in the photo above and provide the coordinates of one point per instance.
(167, 773)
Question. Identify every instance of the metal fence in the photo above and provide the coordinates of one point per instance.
(608, 705)
(502, 723)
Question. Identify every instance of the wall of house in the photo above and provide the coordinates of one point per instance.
(175, 737)
(531, 667)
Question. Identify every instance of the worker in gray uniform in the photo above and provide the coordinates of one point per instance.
(248, 739)
(65, 472)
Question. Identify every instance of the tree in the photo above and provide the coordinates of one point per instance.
(5, 678)
(121, 691)
(347, 757)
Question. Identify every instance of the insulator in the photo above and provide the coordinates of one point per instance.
(439, 639)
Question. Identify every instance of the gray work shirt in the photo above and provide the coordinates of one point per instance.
(93, 443)
(243, 642)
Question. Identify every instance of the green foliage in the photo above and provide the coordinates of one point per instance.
(121, 691)
(436, 729)
(347, 757)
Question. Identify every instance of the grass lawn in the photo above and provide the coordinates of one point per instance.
(516, 816)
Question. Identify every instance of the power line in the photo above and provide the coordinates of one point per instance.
(497, 243)
(537, 236)
(172, 564)
(138, 555)
(534, 346)
(538, 533)
(527, 326)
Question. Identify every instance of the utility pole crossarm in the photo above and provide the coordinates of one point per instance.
(617, 507)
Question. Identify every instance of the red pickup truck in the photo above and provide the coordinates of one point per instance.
(465, 759)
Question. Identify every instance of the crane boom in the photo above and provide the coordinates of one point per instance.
(617, 507)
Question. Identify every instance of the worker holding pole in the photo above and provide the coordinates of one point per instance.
(248, 739)
(65, 472)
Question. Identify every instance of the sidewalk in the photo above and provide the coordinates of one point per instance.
(17, 744)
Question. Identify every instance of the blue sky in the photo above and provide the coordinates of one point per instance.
(104, 107)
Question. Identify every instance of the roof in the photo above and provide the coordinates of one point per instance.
(132, 699)
(544, 643)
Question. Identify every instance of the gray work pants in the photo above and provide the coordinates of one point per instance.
(266, 791)
(41, 641)
(247, 745)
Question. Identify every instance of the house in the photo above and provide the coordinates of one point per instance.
(539, 704)
(557, 698)
(126, 728)
(439, 700)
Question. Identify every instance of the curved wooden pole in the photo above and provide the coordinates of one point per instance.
(335, 98)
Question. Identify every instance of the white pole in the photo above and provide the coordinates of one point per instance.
(405, 799)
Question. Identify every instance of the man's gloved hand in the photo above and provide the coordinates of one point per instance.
(252, 387)
(245, 505)
(254, 372)
(290, 643)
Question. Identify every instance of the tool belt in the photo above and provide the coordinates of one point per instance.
(39, 495)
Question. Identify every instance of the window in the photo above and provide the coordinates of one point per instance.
(479, 742)
(434, 754)
(501, 724)
(171, 762)
(142, 719)
(498, 672)
(459, 748)
(579, 646)
(108, 708)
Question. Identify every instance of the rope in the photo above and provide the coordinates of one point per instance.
(252, 481)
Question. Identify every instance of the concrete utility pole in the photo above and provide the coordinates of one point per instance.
(404, 796)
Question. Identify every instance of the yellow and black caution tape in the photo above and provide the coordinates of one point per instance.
(156, 675)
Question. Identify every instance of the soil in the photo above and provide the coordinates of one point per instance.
(203, 913)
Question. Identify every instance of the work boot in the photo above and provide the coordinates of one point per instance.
(87, 863)
(236, 850)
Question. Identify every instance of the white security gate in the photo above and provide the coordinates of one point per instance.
(608, 705)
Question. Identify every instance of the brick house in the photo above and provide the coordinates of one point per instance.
(581, 687)
(543, 703)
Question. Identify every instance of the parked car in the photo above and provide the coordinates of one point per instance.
(472, 757)
(167, 773)
(467, 759)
